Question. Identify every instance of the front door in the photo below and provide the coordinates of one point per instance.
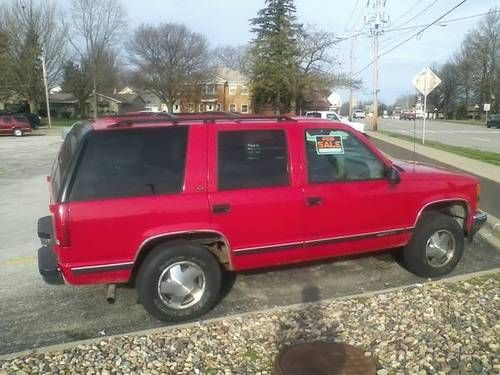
(350, 205)
(253, 200)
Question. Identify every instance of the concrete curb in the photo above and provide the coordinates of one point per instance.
(74, 344)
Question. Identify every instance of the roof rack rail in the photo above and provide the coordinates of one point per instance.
(197, 117)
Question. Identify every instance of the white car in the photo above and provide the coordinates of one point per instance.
(358, 113)
(330, 115)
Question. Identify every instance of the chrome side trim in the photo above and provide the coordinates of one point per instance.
(102, 268)
(467, 207)
(287, 245)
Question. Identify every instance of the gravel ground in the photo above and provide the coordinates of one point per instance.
(435, 328)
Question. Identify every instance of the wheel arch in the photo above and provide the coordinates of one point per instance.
(214, 242)
(458, 208)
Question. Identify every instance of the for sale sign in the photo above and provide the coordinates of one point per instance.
(329, 145)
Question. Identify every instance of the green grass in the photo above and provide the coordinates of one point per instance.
(485, 156)
(60, 122)
(467, 122)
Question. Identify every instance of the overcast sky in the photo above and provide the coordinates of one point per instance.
(225, 22)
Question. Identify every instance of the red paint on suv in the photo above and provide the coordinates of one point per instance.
(172, 202)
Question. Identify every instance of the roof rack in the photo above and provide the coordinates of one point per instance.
(175, 119)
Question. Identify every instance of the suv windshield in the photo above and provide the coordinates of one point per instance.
(62, 163)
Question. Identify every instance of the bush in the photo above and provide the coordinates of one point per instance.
(461, 112)
(66, 114)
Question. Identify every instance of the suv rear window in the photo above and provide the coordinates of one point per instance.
(252, 159)
(64, 159)
(128, 163)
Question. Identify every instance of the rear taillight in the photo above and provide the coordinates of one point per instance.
(60, 213)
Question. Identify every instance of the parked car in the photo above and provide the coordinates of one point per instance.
(14, 124)
(358, 113)
(333, 116)
(408, 115)
(169, 203)
(493, 121)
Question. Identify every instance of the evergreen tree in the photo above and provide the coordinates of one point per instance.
(275, 55)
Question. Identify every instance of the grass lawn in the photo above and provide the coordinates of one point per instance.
(468, 122)
(60, 122)
(486, 156)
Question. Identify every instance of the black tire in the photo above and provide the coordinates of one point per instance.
(159, 260)
(414, 254)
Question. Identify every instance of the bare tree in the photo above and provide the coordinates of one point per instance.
(233, 57)
(31, 29)
(169, 59)
(96, 27)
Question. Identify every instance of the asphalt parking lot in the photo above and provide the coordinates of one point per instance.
(33, 314)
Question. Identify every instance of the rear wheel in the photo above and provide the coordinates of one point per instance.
(178, 283)
(18, 132)
(436, 247)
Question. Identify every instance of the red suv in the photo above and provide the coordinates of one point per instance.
(169, 203)
(14, 124)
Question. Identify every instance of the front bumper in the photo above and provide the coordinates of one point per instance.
(47, 258)
(478, 220)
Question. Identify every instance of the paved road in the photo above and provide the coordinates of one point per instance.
(34, 314)
(456, 134)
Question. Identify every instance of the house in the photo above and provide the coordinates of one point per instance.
(63, 104)
(227, 91)
(115, 104)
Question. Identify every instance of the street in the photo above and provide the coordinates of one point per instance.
(34, 314)
(455, 134)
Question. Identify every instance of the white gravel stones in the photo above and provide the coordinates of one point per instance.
(430, 329)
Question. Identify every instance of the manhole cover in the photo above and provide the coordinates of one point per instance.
(320, 358)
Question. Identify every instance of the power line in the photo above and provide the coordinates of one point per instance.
(409, 10)
(411, 37)
(352, 15)
(423, 11)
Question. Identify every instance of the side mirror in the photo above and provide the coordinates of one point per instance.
(393, 176)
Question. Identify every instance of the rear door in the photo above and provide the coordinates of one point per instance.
(253, 197)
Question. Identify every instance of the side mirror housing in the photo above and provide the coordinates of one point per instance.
(393, 176)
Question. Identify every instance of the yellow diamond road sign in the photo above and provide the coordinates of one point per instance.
(426, 81)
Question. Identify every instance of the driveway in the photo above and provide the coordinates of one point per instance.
(34, 314)
(451, 133)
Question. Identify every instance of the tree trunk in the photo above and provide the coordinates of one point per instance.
(33, 104)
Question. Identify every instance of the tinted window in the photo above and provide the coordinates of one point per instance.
(135, 162)
(64, 159)
(313, 114)
(251, 159)
(332, 116)
(339, 156)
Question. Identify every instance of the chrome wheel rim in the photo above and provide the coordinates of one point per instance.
(440, 248)
(181, 285)
(18, 132)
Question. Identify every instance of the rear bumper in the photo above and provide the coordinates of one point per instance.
(478, 220)
(48, 267)
(47, 258)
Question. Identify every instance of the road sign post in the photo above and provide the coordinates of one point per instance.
(425, 82)
(487, 108)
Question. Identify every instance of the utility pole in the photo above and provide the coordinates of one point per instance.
(351, 91)
(376, 20)
(44, 72)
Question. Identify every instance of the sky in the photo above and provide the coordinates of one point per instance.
(225, 22)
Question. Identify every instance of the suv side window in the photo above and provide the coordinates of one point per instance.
(128, 163)
(252, 159)
(336, 155)
(332, 116)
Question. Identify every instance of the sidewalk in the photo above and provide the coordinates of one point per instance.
(472, 166)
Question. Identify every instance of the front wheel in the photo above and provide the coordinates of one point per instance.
(436, 247)
(179, 283)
